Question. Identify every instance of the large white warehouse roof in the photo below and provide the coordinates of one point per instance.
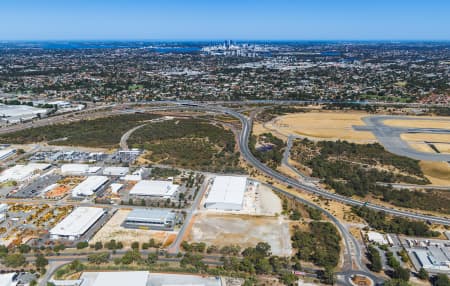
(89, 186)
(227, 192)
(154, 188)
(135, 278)
(77, 222)
(22, 172)
(6, 153)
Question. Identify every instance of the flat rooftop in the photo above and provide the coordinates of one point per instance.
(134, 278)
(227, 189)
(154, 188)
(77, 222)
(22, 172)
(150, 215)
(89, 186)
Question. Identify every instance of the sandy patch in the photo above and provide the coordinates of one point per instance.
(114, 230)
(323, 125)
(246, 231)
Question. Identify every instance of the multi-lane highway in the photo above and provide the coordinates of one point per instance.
(352, 245)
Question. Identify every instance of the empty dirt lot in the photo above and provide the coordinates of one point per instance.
(246, 231)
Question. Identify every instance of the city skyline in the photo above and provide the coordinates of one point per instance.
(240, 20)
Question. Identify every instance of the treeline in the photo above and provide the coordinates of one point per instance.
(321, 245)
(102, 132)
(270, 113)
(380, 221)
(271, 153)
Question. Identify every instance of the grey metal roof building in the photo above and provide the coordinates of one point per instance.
(151, 219)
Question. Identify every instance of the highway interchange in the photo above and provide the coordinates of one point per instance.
(353, 251)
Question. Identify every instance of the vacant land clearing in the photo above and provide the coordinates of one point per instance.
(422, 137)
(437, 172)
(437, 122)
(443, 147)
(246, 231)
(114, 230)
(323, 125)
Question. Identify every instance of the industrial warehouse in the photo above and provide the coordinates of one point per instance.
(155, 219)
(6, 153)
(155, 189)
(227, 193)
(89, 186)
(20, 173)
(77, 223)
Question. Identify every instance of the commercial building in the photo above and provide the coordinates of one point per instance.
(6, 153)
(20, 113)
(150, 219)
(9, 279)
(89, 186)
(376, 237)
(3, 208)
(115, 171)
(226, 193)
(78, 169)
(434, 258)
(77, 223)
(20, 173)
(135, 278)
(156, 189)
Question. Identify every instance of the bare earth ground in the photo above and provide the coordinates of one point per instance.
(322, 125)
(244, 230)
(114, 230)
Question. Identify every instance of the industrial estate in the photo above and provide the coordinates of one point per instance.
(178, 183)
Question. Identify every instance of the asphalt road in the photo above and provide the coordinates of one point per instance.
(389, 136)
(351, 243)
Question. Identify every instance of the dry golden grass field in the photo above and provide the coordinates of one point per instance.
(322, 125)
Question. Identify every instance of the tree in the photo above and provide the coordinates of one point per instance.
(14, 260)
(24, 248)
(423, 274)
(41, 261)
(328, 276)
(98, 245)
(82, 244)
(152, 258)
(375, 259)
(396, 282)
(401, 273)
(99, 258)
(135, 245)
(441, 280)
(288, 278)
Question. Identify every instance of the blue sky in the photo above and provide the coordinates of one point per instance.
(228, 19)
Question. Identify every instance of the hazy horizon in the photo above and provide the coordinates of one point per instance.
(201, 20)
